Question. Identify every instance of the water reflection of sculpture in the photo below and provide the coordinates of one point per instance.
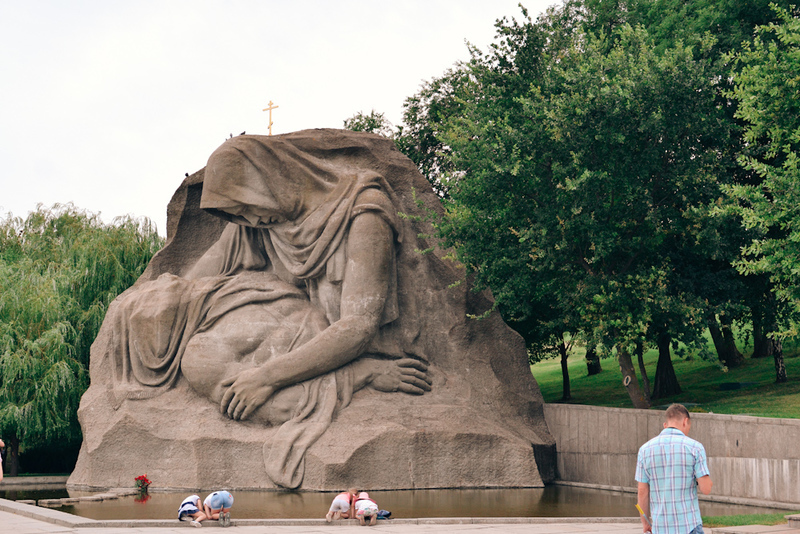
(286, 315)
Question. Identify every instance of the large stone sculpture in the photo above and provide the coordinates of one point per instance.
(296, 332)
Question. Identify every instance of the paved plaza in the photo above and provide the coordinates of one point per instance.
(17, 524)
(13, 522)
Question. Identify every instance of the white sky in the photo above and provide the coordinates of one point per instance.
(107, 104)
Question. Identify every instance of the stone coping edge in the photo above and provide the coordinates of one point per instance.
(73, 521)
(718, 416)
(16, 482)
(43, 514)
(711, 498)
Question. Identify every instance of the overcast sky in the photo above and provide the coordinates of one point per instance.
(107, 104)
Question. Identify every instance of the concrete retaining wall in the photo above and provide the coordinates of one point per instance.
(749, 457)
(26, 482)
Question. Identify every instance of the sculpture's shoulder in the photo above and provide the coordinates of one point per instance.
(375, 196)
(375, 201)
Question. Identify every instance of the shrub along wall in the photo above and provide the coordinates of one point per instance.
(754, 458)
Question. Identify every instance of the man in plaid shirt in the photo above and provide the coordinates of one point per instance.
(670, 469)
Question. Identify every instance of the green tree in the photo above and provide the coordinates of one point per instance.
(731, 23)
(425, 115)
(484, 128)
(579, 163)
(767, 89)
(59, 270)
(728, 22)
(374, 122)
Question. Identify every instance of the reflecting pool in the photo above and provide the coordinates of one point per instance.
(552, 501)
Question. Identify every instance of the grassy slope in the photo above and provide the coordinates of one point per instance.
(704, 383)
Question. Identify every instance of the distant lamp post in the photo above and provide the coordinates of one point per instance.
(269, 108)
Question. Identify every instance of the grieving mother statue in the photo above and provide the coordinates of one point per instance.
(278, 317)
(333, 235)
(300, 329)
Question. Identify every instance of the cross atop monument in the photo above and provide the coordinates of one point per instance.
(269, 108)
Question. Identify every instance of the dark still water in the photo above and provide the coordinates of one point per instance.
(552, 501)
(30, 493)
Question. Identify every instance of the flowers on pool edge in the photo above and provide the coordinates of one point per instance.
(142, 482)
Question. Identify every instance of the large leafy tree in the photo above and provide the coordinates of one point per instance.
(579, 159)
(623, 109)
(768, 92)
(729, 295)
(59, 270)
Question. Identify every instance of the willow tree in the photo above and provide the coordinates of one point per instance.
(60, 268)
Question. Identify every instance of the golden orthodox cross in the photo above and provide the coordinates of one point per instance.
(269, 108)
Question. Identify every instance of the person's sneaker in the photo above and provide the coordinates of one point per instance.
(227, 522)
(186, 517)
(196, 523)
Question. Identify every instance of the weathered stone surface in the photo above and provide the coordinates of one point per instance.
(186, 357)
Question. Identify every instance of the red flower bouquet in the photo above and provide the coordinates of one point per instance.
(142, 483)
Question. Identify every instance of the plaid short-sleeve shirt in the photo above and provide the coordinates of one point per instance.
(670, 463)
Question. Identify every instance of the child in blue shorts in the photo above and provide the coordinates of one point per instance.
(218, 506)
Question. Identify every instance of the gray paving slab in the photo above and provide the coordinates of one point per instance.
(18, 518)
(15, 523)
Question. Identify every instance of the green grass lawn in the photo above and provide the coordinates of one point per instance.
(706, 385)
(740, 520)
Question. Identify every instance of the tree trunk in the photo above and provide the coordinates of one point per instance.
(777, 354)
(565, 390)
(734, 358)
(629, 379)
(763, 312)
(724, 342)
(12, 456)
(666, 383)
(716, 335)
(761, 343)
(593, 366)
(642, 370)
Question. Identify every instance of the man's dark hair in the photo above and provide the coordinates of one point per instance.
(677, 411)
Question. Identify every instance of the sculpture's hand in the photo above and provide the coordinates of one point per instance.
(406, 374)
(246, 392)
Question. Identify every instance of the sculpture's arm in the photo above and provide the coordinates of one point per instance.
(364, 291)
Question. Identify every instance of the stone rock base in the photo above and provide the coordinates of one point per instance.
(407, 447)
